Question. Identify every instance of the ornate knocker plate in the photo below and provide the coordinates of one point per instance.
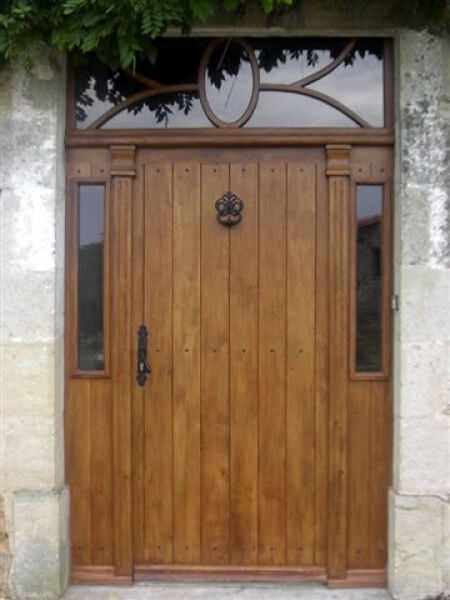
(229, 209)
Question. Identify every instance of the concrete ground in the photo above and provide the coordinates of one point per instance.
(192, 591)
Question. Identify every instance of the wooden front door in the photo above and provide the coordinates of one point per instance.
(228, 311)
(259, 445)
(231, 471)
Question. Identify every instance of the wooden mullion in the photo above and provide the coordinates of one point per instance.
(386, 281)
(138, 401)
(121, 353)
(388, 80)
(338, 171)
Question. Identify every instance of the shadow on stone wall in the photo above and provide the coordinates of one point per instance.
(5, 555)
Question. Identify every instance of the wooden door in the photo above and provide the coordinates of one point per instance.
(259, 447)
(232, 470)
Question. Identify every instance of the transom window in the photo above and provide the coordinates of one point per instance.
(233, 83)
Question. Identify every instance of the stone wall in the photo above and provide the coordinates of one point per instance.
(5, 555)
(419, 557)
(31, 395)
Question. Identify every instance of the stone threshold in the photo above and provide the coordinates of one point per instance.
(209, 591)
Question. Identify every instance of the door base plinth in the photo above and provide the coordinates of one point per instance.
(98, 575)
(228, 574)
(361, 578)
(104, 575)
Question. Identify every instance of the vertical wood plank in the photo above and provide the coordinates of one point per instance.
(359, 501)
(158, 391)
(122, 356)
(272, 364)
(244, 369)
(101, 452)
(338, 170)
(322, 361)
(215, 328)
(301, 351)
(138, 405)
(380, 471)
(186, 362)
(78, 453)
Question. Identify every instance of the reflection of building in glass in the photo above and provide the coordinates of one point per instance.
(368, 343)
(90, 307)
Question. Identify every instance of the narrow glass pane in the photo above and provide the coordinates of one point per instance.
(369, 206)
(90, 277)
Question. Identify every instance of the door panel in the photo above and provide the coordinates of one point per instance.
(186, 363)
(158, 413)
(244, 368)
(215, 371)
(224, 464)
(301, 362)
(228, 481)
(272, 365)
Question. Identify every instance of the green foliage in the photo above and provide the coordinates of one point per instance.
(122, 31)
(119, 31)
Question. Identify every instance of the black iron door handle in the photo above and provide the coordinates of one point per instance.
(143, 368)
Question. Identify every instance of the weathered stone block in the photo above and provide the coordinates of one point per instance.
(424, 381)
(424, 214)
(422, 456)
(423, 63)
(5, 555)
(40, 562)
(416, 538)
(425, 293)
(32, 394)
(29, 444)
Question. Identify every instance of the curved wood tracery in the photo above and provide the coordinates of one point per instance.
(327, 68)
(301, 91)
(202, 88)
(155, 88)
(151, 83)
(139, 97)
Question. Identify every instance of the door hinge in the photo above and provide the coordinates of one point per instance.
(395, 302)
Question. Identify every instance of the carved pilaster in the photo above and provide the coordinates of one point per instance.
(123, 170)
(338, 160)
(123, 161)
(338, 170)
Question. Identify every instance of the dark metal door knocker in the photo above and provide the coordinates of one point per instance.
(229, 209)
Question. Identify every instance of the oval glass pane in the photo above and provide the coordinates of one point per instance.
(281, 109)
(229, 81)
(164, 111)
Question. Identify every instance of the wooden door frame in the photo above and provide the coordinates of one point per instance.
(122, 186)
(123, 145)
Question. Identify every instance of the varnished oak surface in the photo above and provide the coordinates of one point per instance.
(286, 137)
(251, 445)
(229, 574)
